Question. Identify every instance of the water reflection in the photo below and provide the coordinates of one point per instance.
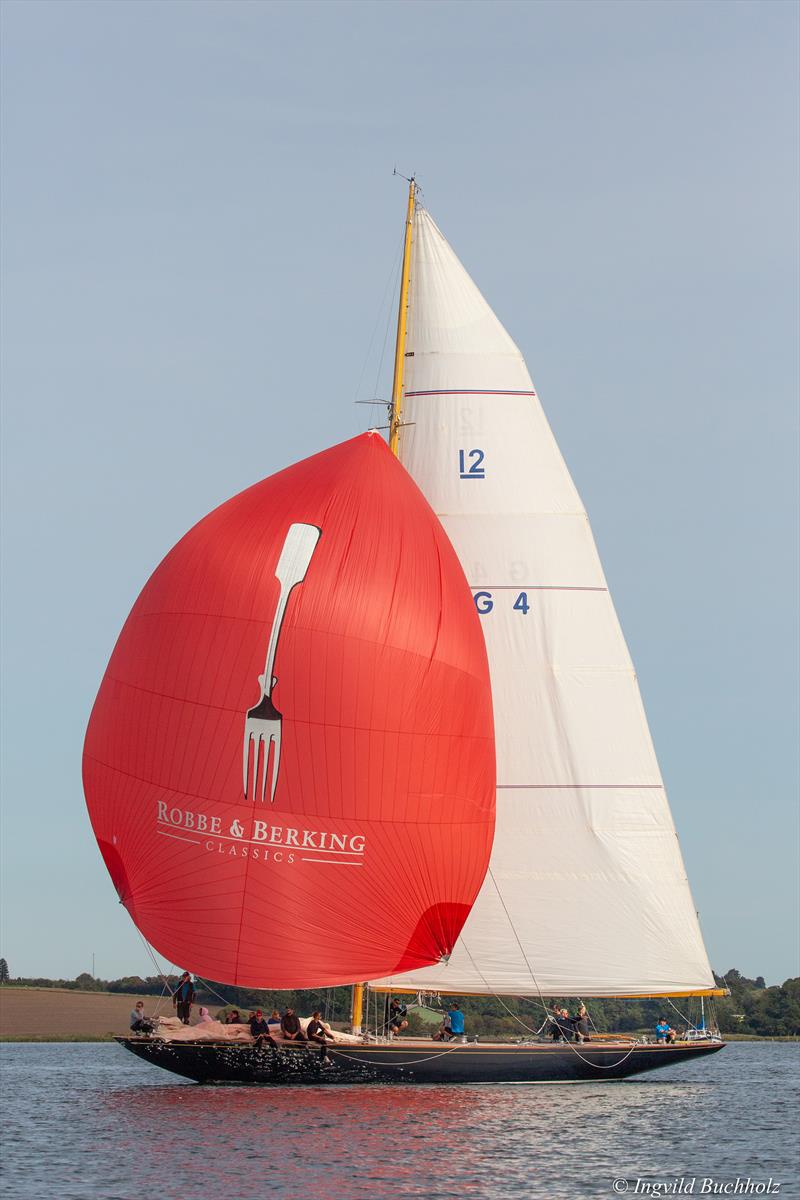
(91, 1123)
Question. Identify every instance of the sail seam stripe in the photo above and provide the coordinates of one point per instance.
(468, 392)
(534, 587)
(135, 687)
(479, 820)
(553, 512)
(553, 786)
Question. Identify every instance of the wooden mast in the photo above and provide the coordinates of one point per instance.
(402, 318)
(395, 414)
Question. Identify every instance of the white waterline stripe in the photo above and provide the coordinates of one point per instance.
(178, 837)
(262, 842)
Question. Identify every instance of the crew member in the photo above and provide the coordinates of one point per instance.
(664, 1033)
(291, 1028)
(139, 1023)
(455, 1019)
(398, 1017)
(259, 1029)
(183, 997)
(580, 1023)
(317, 1032)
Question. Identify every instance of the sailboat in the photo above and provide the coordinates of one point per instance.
(564, 876)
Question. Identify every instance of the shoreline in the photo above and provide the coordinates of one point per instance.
(40, 1014)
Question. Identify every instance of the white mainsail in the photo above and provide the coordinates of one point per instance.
(586, 893)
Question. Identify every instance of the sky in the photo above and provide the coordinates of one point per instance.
(200, 230)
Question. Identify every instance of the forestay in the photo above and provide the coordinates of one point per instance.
(587, 892)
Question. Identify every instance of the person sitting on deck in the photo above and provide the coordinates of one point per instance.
(563, 1029)
(455, 1018)
(204, 1017)
(139, 1023)
(260, 1031)
(443, 1032)
(291, 1028)
(317, 1032)
(663, 1031)
(233, 1017)
(555, 1025)
(397, 1017)
(274, 1021)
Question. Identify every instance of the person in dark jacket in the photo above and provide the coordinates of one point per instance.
(291, 1028)
(317, 1032)
(580, 1023)
(398, 1018)
(562, 1027)
(259, 1029)
(183, 997)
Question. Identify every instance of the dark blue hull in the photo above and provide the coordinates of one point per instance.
(406, 1061)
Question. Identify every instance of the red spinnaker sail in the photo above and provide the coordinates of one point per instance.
(289, 767)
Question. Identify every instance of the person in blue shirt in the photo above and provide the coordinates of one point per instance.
(455, 1019)
(663, 1031)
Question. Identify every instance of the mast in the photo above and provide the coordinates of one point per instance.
(357, 1010)
(395, 414)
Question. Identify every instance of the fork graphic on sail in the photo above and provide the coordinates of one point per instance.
(262, 725)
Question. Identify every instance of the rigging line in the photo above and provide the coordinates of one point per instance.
(387, 288)
(524, 955)
(689, 1023)
(602, 1066)
(713, 1020)
(516, 936)
(395, 275)
(570, 1045)
(165, 988)
(589, 1015)
(500, 999)
(396, 1066)
(213, 991)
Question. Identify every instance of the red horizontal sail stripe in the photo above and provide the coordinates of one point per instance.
(533, 587)
(578, 786)
(467, 392)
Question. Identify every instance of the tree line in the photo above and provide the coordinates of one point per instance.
(752, 1007)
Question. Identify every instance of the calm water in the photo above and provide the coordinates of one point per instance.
(90, 1122)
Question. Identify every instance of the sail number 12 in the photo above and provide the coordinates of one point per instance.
(470, 464)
